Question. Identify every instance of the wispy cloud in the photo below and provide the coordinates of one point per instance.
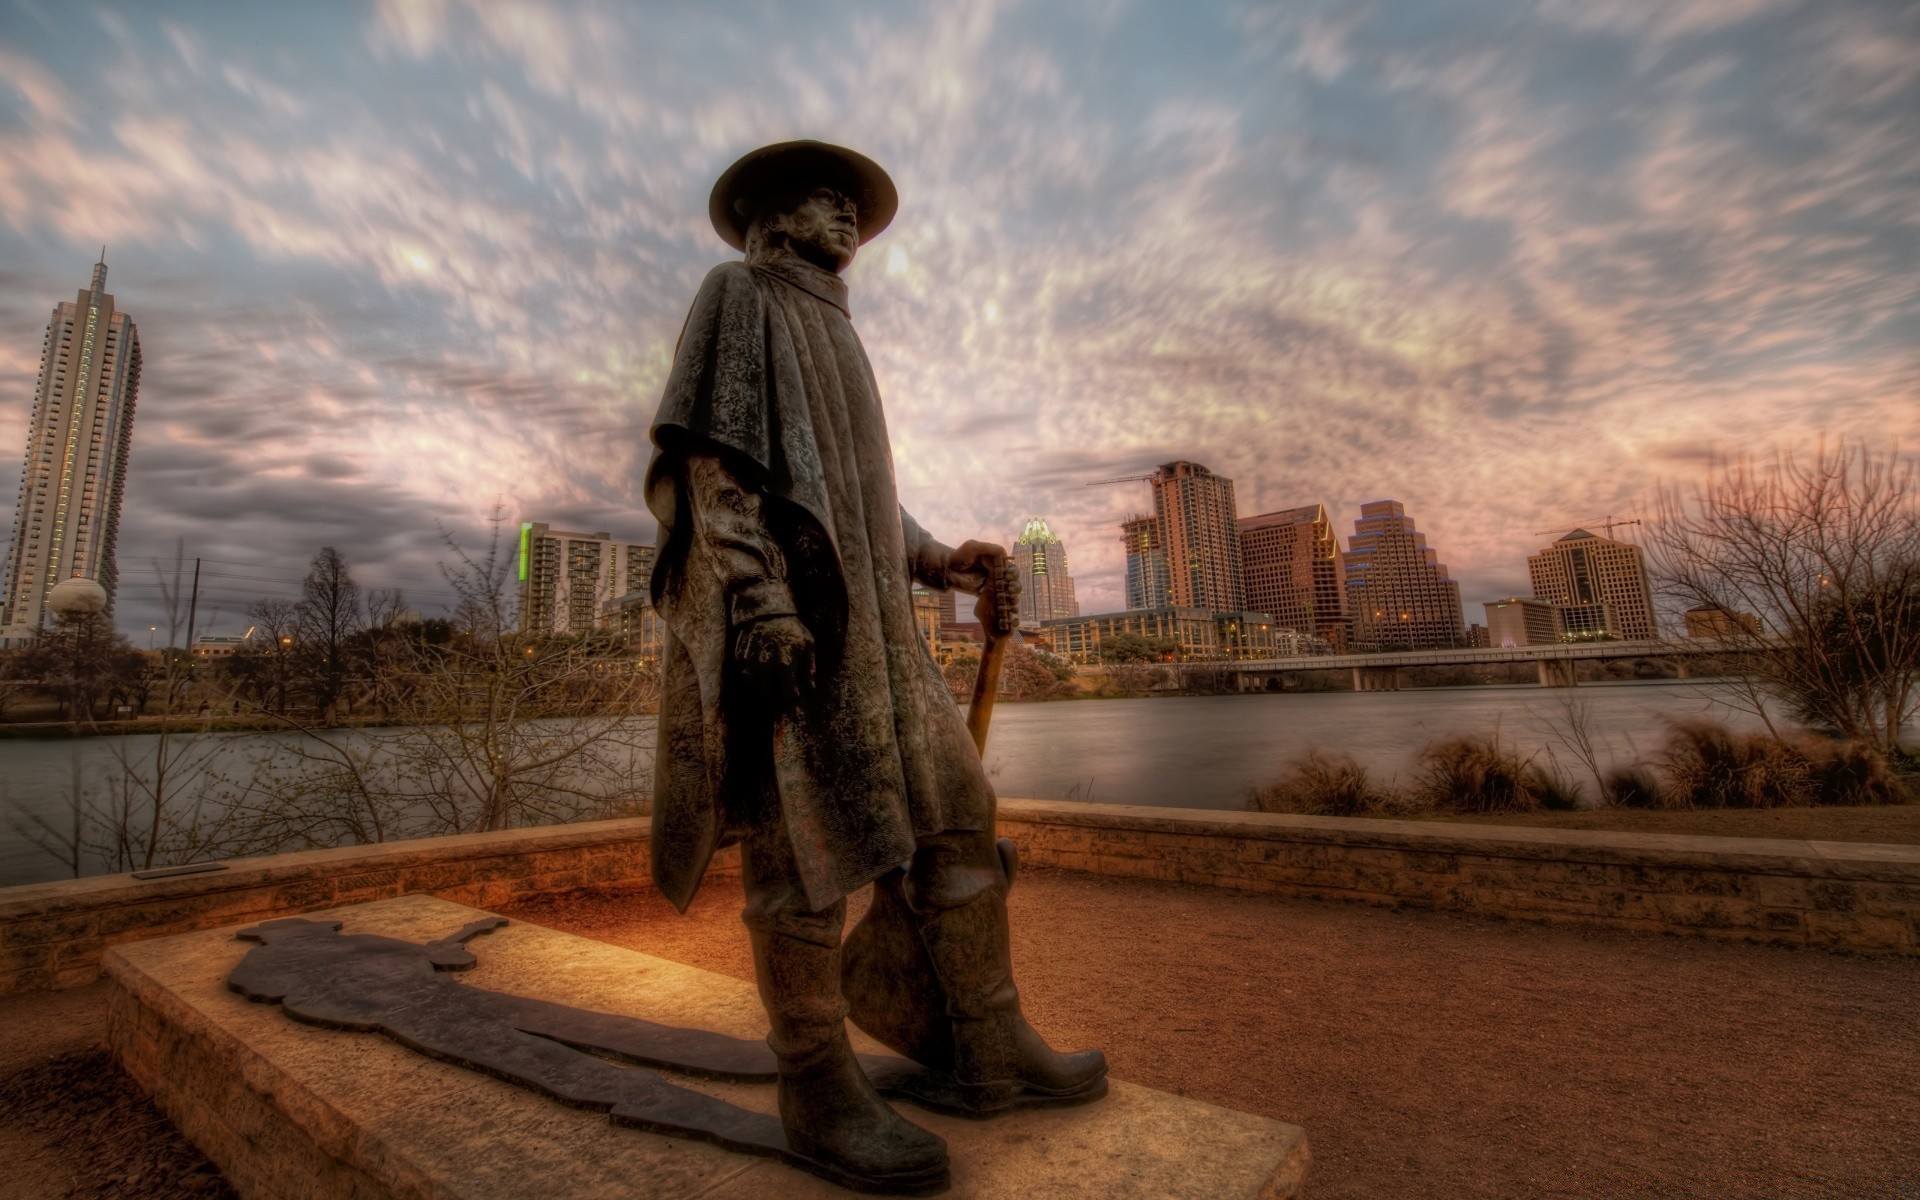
(1509, 264)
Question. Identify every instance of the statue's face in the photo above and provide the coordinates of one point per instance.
(823, 228)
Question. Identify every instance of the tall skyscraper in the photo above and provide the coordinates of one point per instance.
(1397, 589)
(1291, 563)
(1146, 562)
(1046, 590)
(1200, 536)
(78, 436)
(1599, 585)
(572, 583)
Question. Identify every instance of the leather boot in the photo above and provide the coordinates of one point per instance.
(829, 1109)
(999, 1062)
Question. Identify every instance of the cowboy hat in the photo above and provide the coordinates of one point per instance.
(788, 168)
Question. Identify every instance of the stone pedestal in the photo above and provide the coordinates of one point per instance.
(292, 1112)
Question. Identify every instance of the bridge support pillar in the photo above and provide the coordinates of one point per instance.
(1377, 679)
(1558, 673)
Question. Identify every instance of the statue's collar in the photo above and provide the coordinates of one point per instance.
(810, 279)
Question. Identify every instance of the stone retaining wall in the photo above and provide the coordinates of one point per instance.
(52, 934)
(1841, 895)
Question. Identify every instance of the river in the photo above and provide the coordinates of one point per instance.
(1183, 752)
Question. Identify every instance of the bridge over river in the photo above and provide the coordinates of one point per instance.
(1384, 671)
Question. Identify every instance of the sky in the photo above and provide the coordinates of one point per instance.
(1512, 264)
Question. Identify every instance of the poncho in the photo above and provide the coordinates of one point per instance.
(770, 375)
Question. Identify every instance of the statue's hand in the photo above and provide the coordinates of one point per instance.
(975, 565)
(983, 569)
(775, 654)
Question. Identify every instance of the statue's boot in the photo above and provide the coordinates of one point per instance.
(999, 1061)
(829, 1109)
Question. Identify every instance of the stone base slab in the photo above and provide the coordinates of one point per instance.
(292, 1112)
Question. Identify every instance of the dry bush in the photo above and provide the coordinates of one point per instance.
(1851, 773)
(1328, 785)
(1555, 791)
(1479, 775)
(1706, 765)
(1635, 787)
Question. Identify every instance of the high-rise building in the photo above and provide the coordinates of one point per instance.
(1522, 621)
(572, 583)
(78, 437)
(1398, 592)
(1292, 567)
(1046, 589)
(1200, 536)
(1146, 563)
(1600, 584)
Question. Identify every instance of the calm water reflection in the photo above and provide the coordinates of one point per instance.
(1192, 752)
(1210, 751)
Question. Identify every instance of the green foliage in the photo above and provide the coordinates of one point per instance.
(1132, 648)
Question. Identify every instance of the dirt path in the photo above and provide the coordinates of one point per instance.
(71, 1125)
(1427, 1055)
(1441, 1056)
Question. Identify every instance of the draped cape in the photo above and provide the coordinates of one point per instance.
(770, 375)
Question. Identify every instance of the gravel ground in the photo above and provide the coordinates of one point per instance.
(1433, 1055)
(1427, 1055)
(72, 1126)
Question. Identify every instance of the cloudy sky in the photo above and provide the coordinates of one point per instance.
(1509, 263)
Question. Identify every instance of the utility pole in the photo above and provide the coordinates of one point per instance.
(193, 606)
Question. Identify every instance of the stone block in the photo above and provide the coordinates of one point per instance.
(53, 928)
(292, 1112)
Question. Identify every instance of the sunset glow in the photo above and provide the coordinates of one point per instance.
(1508, 265)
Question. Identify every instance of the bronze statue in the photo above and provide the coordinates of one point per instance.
(803, 716)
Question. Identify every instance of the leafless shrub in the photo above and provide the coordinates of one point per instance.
(493, 729)
(1813, 565)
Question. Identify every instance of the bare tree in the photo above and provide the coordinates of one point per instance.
(329, 617)
(79, 659)
(278, 625)
(493, 728)
(1809, 569)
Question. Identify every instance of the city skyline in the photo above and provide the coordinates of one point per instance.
(397, 263)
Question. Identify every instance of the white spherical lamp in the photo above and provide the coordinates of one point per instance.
(77, 598)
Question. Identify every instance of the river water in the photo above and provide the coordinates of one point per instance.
(1184, 752)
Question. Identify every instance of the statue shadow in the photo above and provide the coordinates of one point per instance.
(367, 983)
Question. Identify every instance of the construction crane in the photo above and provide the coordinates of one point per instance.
(1123, 479)
(1608, 523)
